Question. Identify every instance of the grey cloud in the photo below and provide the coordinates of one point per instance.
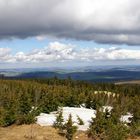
(108, 21)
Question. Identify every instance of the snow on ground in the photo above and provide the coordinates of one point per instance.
(108, 108)
(84, 113)
(105, 92)
(126, 118)
(46, 119)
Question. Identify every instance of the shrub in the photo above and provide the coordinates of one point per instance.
(25, 119)
(116, 132)
(7, 117)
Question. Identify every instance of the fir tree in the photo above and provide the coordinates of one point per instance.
(97, 126)
(80, 121)
(70, 128)
(59, 121)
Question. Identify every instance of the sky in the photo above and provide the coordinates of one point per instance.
(58, 33)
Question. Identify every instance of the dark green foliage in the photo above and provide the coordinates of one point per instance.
(106, 127)
(49, 104)
(24, 106)
(17, 97)
(59, 121)
(135, 129)
(7, 117)
(98, 126)
(80, 121)
(25, 119)
(70, 128)
(136, 110)
(116, 132)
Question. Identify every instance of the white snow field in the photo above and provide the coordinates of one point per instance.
(85, 114)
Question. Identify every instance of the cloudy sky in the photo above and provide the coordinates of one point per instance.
(39, 33)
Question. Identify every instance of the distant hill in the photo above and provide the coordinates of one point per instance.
(103, 74)
(1, 75)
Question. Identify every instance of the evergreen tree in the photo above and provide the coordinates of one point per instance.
(105, 127)
(59, 121)
(70, 128)
(97, 126)
(80, 121)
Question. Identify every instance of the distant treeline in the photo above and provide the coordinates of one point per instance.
(91, 76)
(2, 76)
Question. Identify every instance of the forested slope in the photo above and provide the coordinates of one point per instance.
(22, 100)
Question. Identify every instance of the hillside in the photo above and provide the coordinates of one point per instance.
(22, 101)
(92, 74)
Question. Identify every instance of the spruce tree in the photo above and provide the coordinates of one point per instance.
(97, 126)
(59, 120)
(70, 128)
(80, 121)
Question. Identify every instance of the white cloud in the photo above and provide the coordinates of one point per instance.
(5, 55)
(4, 51)
(103, 21)
(58, 52)
(53, 52)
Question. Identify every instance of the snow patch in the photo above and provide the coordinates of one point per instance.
(126, 118)
(108, 108)
(84, 113)
(46, 119)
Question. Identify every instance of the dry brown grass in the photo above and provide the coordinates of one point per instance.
(128, 82)
(133, 138)
(36, 132)
(29, 132)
